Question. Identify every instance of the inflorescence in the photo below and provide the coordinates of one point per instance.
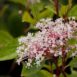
(48, 41)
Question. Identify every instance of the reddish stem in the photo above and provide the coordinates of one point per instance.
(57, 67)
(56, 6)
(63, 61)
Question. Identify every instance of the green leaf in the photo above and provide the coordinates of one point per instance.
(51, 8)
(46, 13)
(28, 72)
(72, 41)
(61, 75)
(63, 10)
(73, 63)
(66, 6)
(35, 72)
(27, 18)
(74, 74)
(36, 8)
(46, 74)
(7, 46)
(73, 11)
(39, 10)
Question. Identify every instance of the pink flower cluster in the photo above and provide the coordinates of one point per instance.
(47, 42)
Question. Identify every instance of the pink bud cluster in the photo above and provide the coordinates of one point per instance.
(47, 42)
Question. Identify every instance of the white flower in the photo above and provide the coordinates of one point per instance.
(28, 64)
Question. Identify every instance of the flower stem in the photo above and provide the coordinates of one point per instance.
(56, 7)
(63, 61)
(57, 67)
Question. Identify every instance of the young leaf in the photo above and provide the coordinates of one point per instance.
(73, 11)
(36, 9)
(63, 10)
(27, 18)
(44, 14)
